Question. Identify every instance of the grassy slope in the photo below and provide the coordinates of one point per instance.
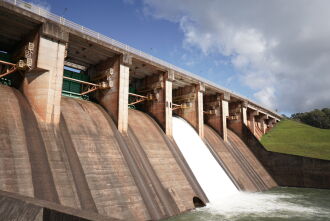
(299, 139)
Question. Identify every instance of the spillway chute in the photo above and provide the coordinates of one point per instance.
(210, 175)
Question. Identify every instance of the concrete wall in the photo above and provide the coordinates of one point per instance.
(78, 163)
(192, 97)
(216, 113)
(165, 174)
(290, 170)
(228, 160)
(115, 99)
(213, 113)
(235, 120)
(243, 167)
(43, 85)
(155, 86)
(85, 163)
(18, 207)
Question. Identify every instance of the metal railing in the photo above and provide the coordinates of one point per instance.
(61, 20)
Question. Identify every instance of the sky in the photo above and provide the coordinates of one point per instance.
(275, 52)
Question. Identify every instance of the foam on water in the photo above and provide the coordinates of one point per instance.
(290, 204)
(258, 204)
(210, 175)
(227, 203)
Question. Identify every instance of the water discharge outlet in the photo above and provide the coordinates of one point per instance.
(210, 175)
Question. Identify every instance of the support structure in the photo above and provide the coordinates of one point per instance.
(11, 68)
(42, 84)
(91, 87)
(237, 116)
(216, 112)
(44, 42)
(252, 121)
(169, 78)
(200, 91)
(213, 112)
(261, 122)
(225, 98)
(244, 113)
(114, 99)
(270, 123)
(192, 98)
(138, 98)
(157, 90)
(123, 93)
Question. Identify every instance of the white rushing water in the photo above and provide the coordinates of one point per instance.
(291, 204)
(227, 203)
(210, 175)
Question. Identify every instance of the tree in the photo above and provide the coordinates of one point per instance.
(316, 118)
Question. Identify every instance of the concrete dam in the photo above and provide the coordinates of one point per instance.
(92, 129)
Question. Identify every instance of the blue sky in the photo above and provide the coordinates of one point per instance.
(275, 52)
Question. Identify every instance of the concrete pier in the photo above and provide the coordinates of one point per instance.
(43, 84)
(191, 100)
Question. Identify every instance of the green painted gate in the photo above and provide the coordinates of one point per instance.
(74, 89)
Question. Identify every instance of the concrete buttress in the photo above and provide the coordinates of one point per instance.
(43, 85)
(190, 99)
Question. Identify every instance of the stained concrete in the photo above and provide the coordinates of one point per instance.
(163, 163)
(18, 207)
(290, 170)
(192, 97)
(43, 85)
(237, 160)
(85, 163)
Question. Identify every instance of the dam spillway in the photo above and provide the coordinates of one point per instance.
(87, 132)
(240, 163)
(211, 176)
(81, 164)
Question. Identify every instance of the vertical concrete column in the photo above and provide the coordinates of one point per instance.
(216, 112)
(261, 120)
(225, 98)
(158, 86)
(123, 97)
(251, 117)
(244, 112)
(168, 102)
(43, 85)
(238, 116)
(200, 109)
(115, 99)
(212, 112)
(191, 100)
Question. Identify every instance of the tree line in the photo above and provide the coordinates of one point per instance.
(316, 118)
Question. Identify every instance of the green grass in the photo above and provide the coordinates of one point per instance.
(295, 138)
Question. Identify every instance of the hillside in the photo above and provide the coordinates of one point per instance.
(292, 137)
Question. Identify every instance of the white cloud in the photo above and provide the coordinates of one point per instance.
(281, 48)
(42, 4)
